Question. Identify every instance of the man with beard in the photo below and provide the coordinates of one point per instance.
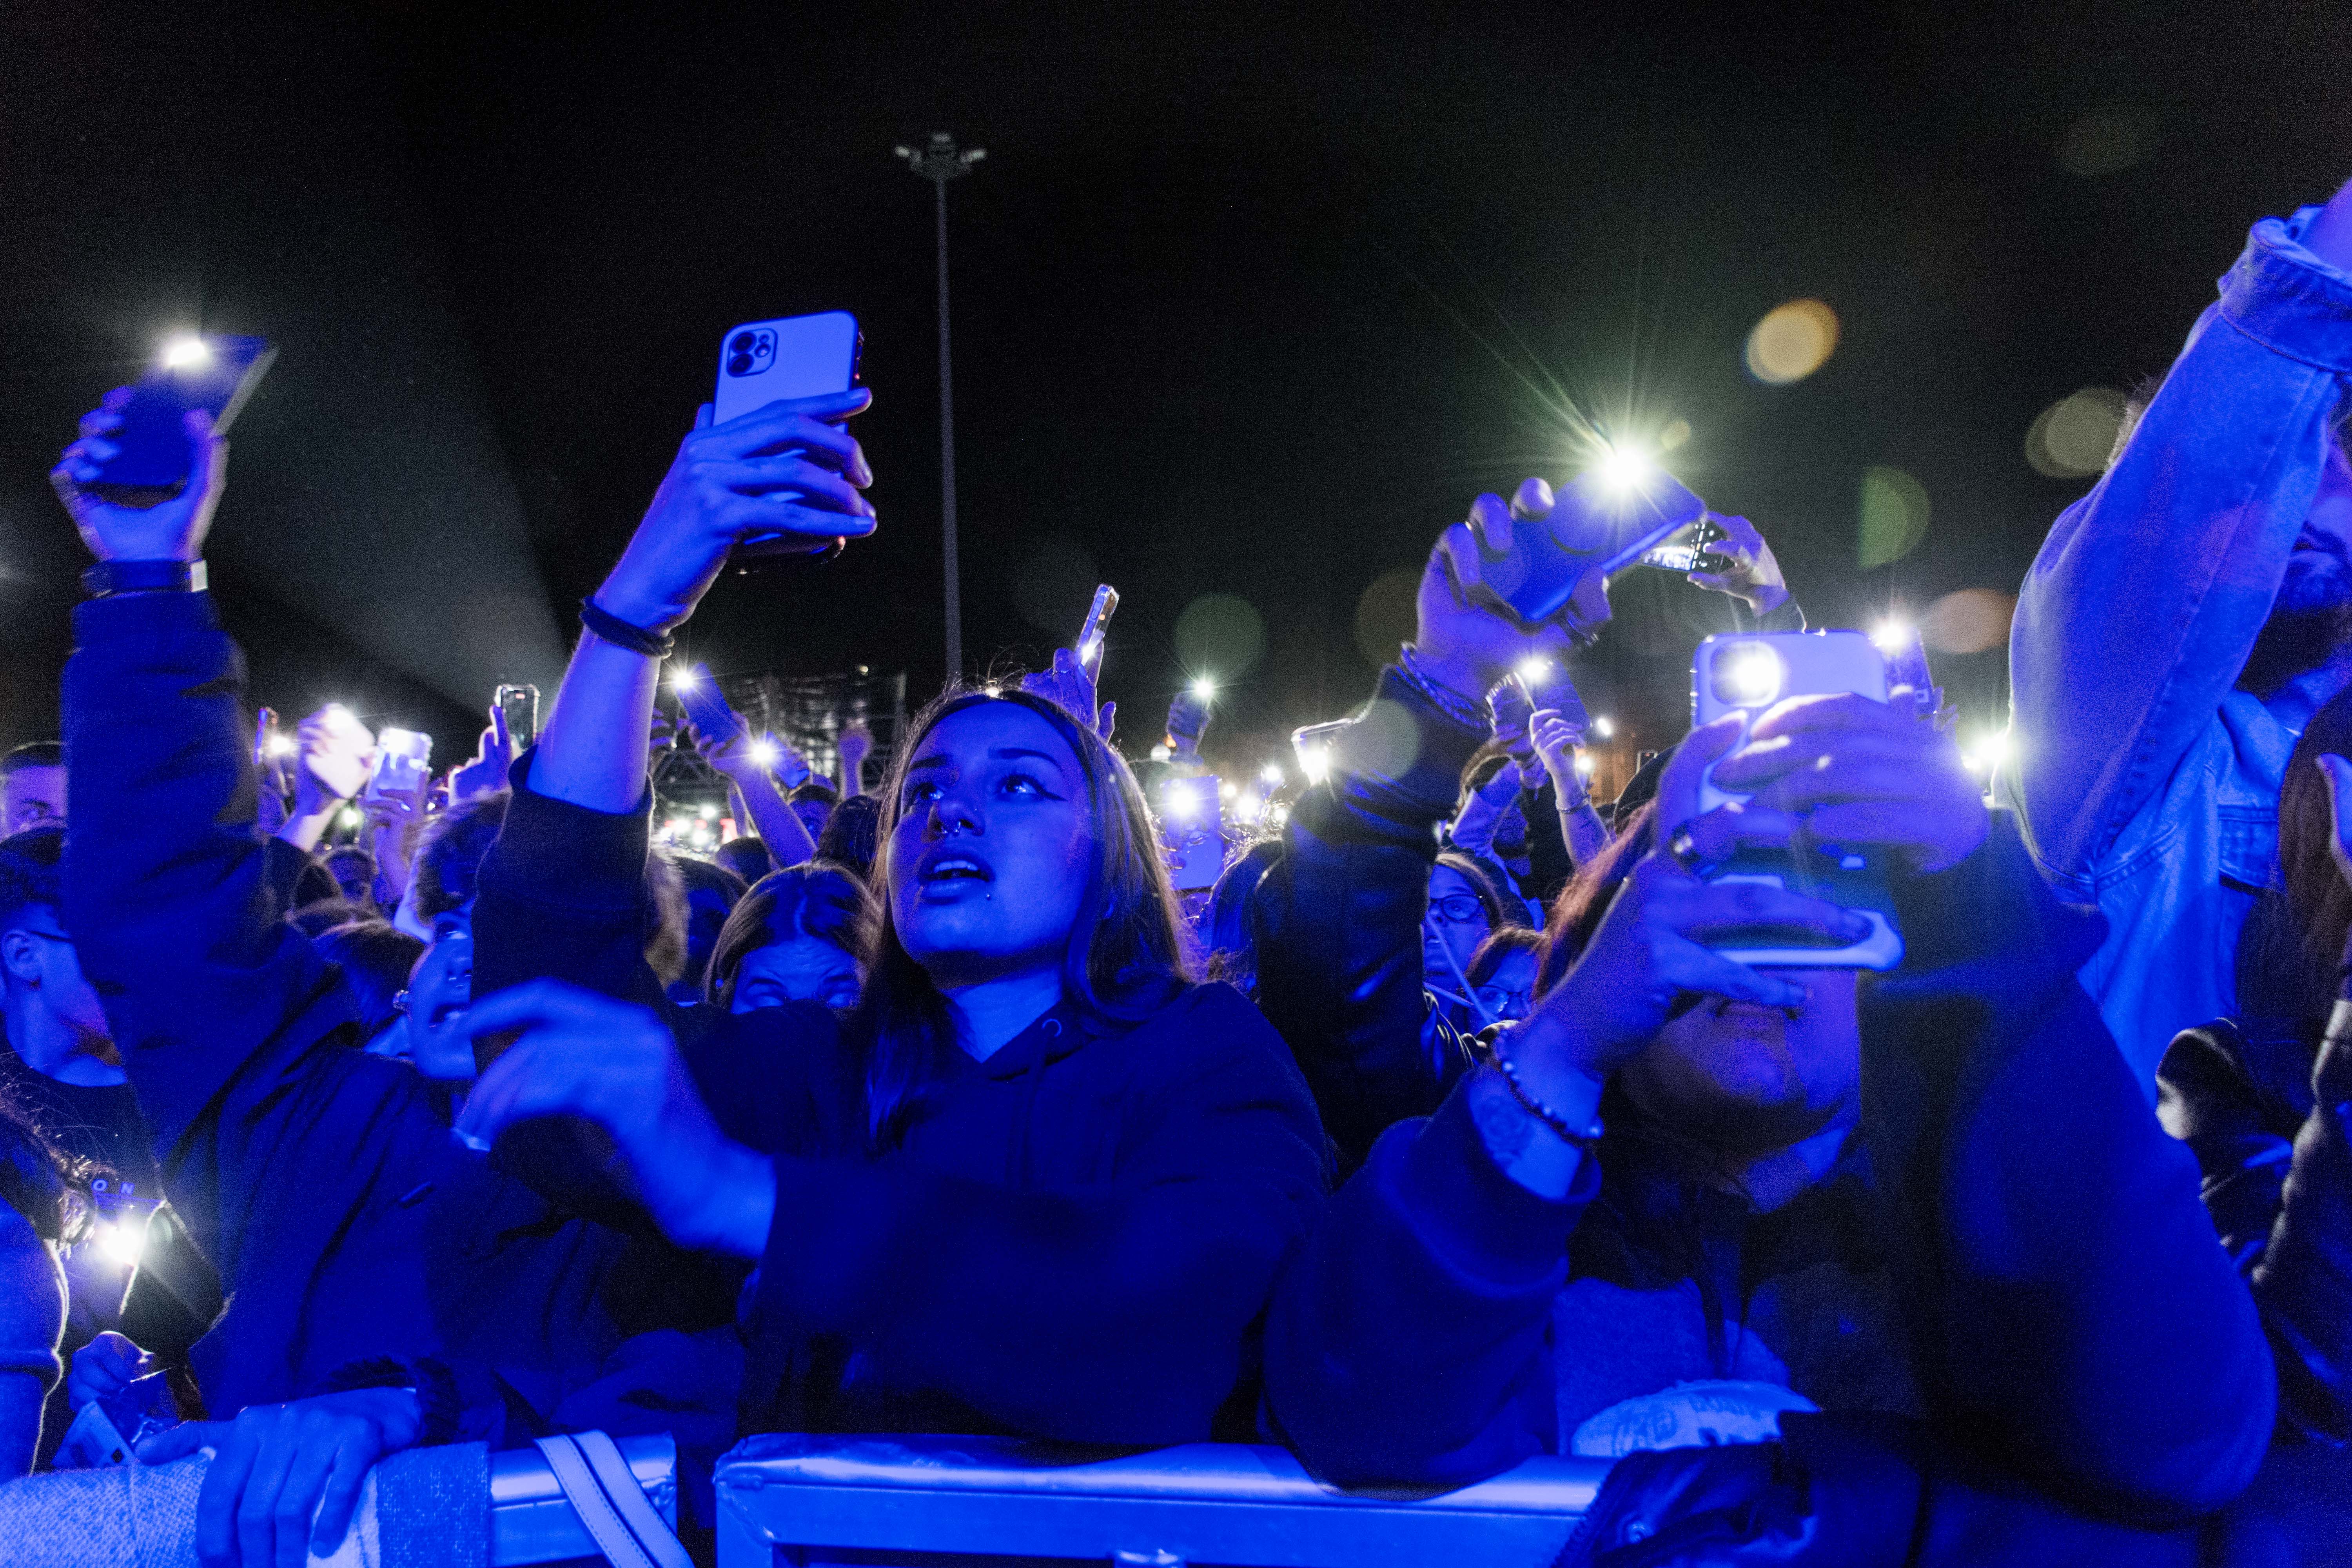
(2180, 626)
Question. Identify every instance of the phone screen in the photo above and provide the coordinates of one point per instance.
(1089, 647)
(520, 703)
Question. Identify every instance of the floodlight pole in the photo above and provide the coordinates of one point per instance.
(940, 163)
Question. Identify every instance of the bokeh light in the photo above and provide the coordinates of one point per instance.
(182, 351)
(1221, 632)
(1893, 516)
(1791, 341)
(1971, 620)
(1677, 432)
(2072, 439)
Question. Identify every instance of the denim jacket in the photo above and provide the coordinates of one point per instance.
(2149, 785)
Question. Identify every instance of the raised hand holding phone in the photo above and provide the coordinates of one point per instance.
(170, 530)
(784, 470)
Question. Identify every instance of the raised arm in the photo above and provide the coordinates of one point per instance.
(2140, 612)
(1339, 914)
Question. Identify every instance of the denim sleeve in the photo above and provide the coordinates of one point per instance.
(2145, 599)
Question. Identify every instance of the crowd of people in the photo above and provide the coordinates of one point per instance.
(1443, 1130)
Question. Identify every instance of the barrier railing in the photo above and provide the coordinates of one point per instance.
(808, 1501)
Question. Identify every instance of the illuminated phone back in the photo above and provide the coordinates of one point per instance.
(1745, 674)
(760, 363)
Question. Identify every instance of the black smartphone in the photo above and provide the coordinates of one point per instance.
(704, 704)
(215, 374)
(1601, 522)
(519, 704)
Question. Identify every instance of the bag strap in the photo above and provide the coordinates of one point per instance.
(603, 1492)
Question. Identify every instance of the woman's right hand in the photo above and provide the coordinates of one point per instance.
(1651, 948)
(1556, 741)
(104, 1368)
(788, 468)
(334, 754)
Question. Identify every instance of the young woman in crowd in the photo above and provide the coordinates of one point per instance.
(1039, 1181)
(797, 937)
(1777, 1184)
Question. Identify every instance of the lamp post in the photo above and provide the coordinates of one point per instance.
(940, 163)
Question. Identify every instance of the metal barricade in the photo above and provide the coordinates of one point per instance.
(979, 1503)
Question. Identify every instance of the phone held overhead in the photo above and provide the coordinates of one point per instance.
(151, 452)
(760, 363)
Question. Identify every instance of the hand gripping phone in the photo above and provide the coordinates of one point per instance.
(1089, 647)
(403, 759)
(1689, 550)
(215, 374)
(1193, 827)
(1599, 522)
(762, 362)
(1745, 675)
(700, 697)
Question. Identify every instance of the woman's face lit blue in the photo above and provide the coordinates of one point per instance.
(994, 847)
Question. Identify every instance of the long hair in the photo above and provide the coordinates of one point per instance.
(1577, 912)
(1229, 929)
(2294, 937)
(1126, 953)
(815, 899)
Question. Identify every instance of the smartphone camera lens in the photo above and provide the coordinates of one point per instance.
(739, 365)
(1745, 674)
(741, 345)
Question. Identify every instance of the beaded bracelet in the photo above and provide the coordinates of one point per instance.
(1461, 710)
(1587, 1139)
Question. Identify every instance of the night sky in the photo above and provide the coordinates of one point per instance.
(1247, 303)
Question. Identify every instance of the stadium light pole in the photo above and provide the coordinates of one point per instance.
(940, 163)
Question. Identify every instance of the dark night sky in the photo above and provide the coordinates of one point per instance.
(1249, 302)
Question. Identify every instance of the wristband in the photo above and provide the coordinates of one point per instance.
(109, 577)
(1477, 714)
(610, 628)
(1585, 1139)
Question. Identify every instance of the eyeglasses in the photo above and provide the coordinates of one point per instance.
(1459, 908)
(1505, 1003)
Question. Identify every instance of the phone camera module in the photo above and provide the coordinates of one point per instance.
(1746, 675)
(739, 365)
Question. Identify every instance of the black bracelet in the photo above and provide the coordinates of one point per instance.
(108, 577)
(610, 628)
(1585, 1139)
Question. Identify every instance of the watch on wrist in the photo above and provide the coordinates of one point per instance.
(106, 578)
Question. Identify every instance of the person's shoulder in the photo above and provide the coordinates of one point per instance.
(1212, 1027)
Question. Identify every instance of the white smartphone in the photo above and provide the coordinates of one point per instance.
(760, 363)
(1745, 674)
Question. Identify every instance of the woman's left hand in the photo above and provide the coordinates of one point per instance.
(579, 1054)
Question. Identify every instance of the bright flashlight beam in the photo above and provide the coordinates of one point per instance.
(1272, 773)
(1205, 688)
(281, 745)
(1182, 801)
(1624, 468)
(762, 753)
(1892, 637)
(123, 1242)
(1605, 726)
(1533, 669)
(1316, 764)
(181, 352)
(683, 681)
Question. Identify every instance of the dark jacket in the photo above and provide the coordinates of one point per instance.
(2057, 1299)
(2263, 1104)
(1338, 919)
(344, 1219)
(1075, 1238)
